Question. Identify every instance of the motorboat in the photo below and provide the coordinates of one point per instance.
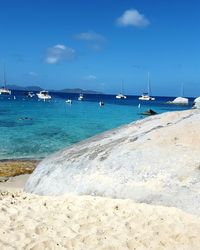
(120, 96)
(69, 101)
(146, 96)
(101, 103)
(44, 95)
(80, 98)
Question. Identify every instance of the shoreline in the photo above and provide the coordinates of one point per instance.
(69, 221)
(14, 167)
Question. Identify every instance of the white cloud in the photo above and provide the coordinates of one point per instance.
(132, 17)
(60, 46)
(94, 40)
(91, 77)
(32, 73)
(90, 36)
(59, 53)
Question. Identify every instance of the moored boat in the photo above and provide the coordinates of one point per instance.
(80, 98)
(146, 96)
(4, 90)
(44, 95)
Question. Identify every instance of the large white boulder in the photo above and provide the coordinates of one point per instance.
(180, 100)
(155, 160)
(197, 99)
(196, 103)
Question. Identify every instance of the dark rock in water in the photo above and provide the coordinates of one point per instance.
(149, 112)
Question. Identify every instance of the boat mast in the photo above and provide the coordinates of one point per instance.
(149, 90)
(122, 87)
(4, 76)
(182, 90)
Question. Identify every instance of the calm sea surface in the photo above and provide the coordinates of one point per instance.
(33, 129)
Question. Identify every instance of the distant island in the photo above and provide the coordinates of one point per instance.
(37, 88)
(28, 88)
(77, 91)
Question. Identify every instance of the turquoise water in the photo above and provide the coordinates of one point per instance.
(33, 129)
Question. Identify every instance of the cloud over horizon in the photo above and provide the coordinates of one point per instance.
(59, 53)
(94, 40)
(32, 73)
(132, 17)
(90, 77)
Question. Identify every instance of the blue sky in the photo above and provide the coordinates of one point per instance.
(97, 44)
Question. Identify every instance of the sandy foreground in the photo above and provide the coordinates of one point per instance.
(84, 222)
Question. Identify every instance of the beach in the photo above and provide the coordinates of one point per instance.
(99, 125)
(84, 222)
(80, 221)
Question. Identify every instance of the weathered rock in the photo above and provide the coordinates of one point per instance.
(15, 167)
(196, 103)
(149, 112)
(155, 160)
(3, 179)
(179, 101)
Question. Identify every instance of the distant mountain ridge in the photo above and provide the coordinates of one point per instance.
(28, 88)
(78, 90)
(37, 88)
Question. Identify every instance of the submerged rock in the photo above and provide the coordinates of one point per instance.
(155, 160)
(149, 112)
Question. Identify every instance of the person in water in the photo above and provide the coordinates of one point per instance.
(24, 118)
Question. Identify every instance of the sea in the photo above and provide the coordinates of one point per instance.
(32, 129)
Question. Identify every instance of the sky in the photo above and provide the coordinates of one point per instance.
(100, 44)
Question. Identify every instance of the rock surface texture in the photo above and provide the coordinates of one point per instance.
(155, 160)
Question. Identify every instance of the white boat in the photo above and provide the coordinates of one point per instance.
(146, 96)
(101, 103)
(121, 95)
(69, 101)
(4, 90)
(80, 98)
(43, 95)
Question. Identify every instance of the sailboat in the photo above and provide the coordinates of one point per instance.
(146, 96)
(4, 90)
(180, 100)
(80, 98)
(121, 95)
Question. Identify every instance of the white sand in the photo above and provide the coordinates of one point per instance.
(85, 222)
(14, 183)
